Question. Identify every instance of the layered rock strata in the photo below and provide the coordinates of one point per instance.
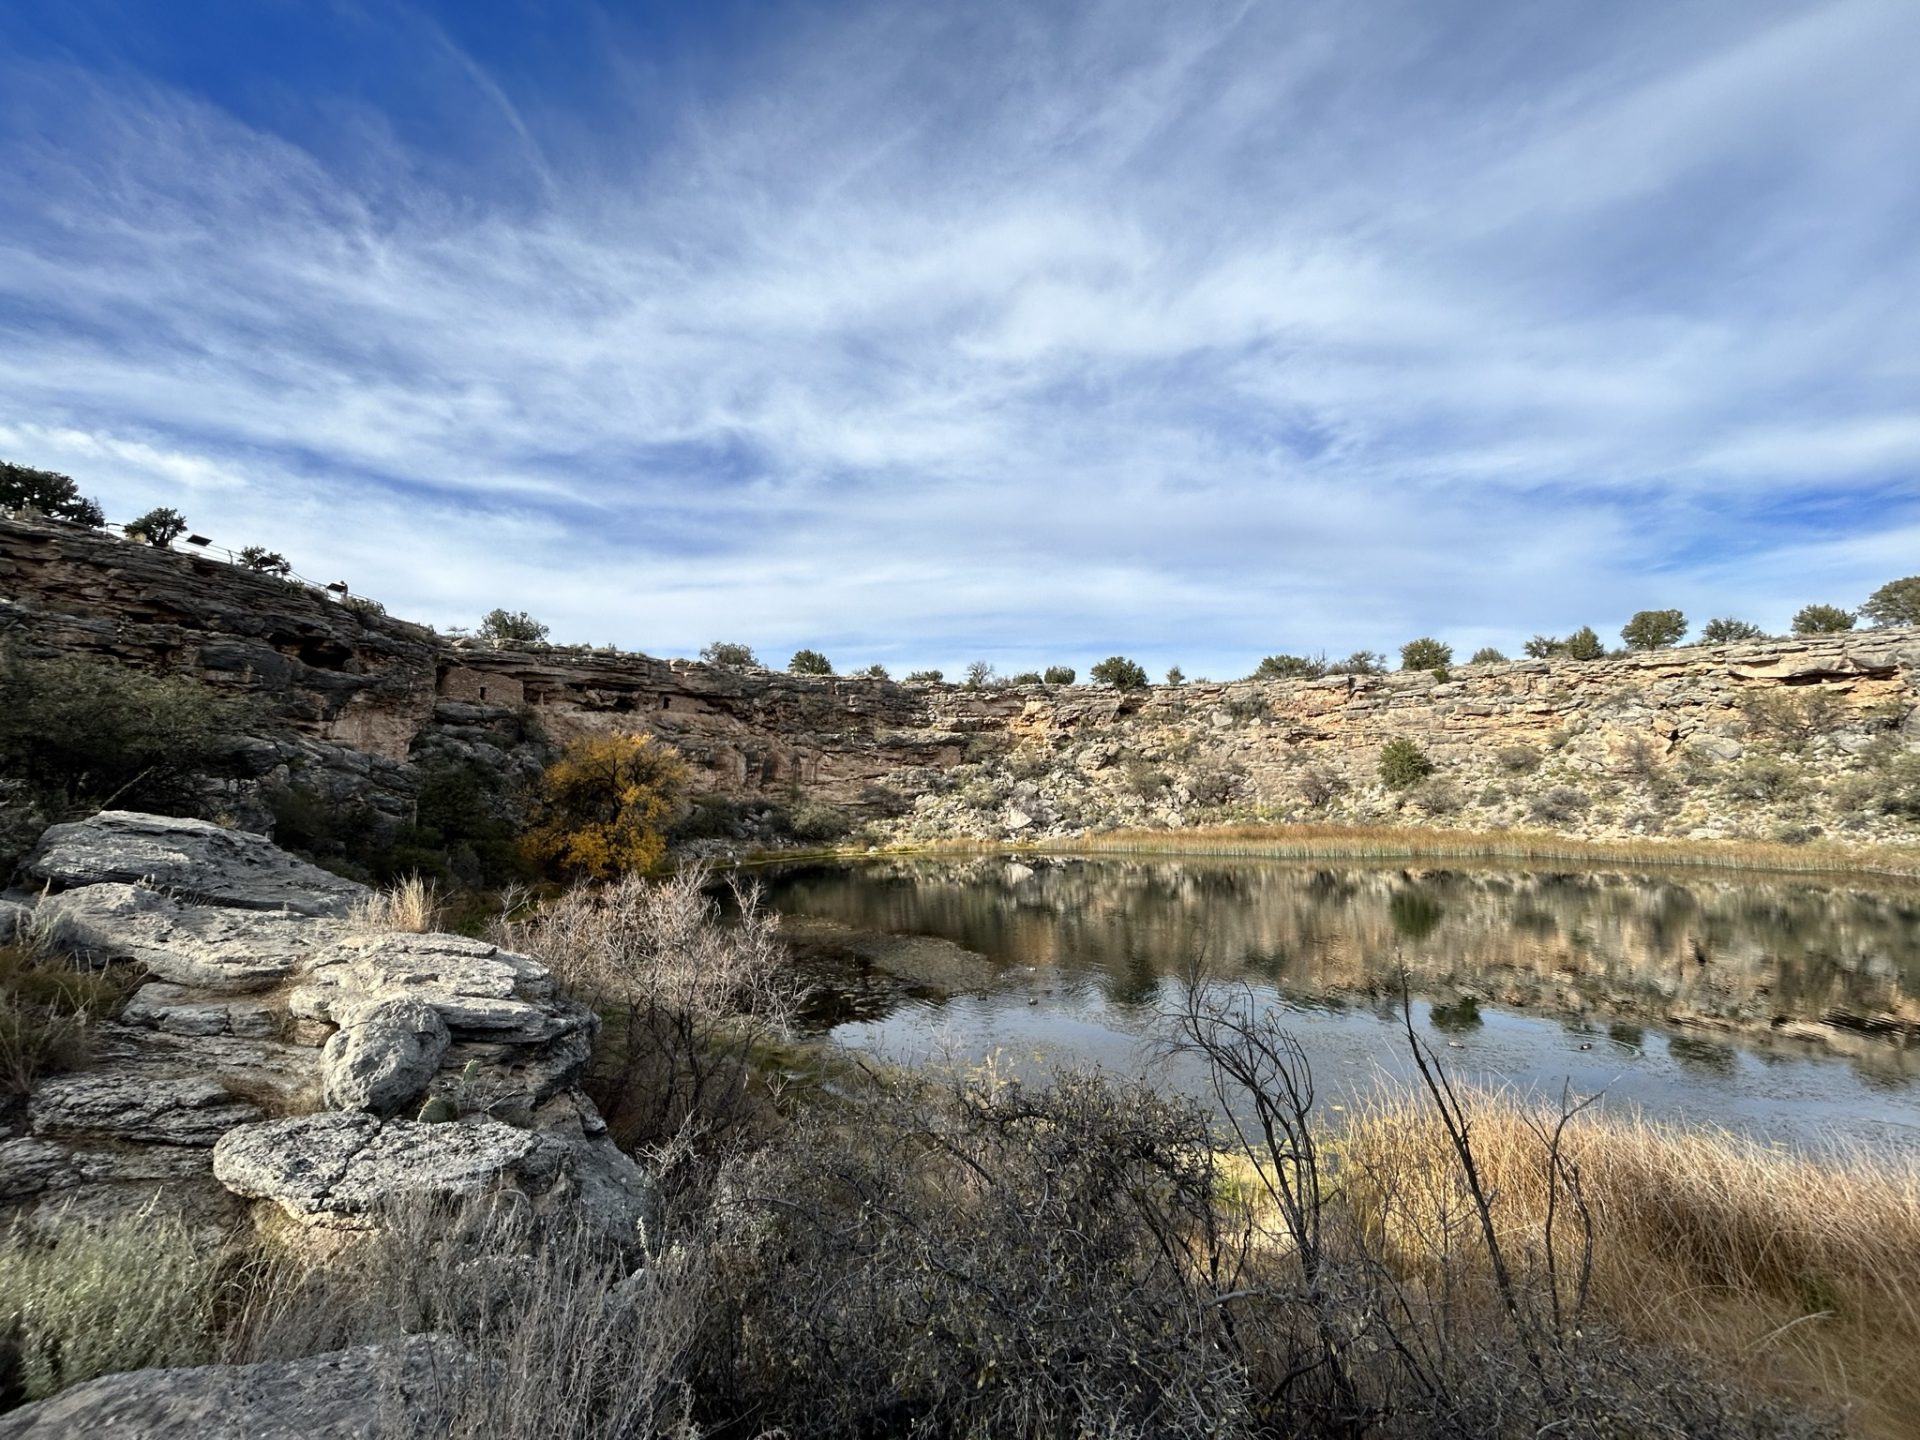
(281, 1055)
(360, 702)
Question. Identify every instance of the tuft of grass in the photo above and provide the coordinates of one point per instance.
(413, 907)
(80, 1300)
(48, 1007)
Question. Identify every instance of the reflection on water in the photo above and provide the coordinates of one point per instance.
(1789, 1005)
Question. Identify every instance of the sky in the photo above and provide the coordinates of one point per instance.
(1030, 332)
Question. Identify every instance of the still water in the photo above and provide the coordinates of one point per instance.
(1780, 1008)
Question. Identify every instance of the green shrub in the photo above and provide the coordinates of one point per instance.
(1425, 653)
(57, 496)
(1289, 667)
(263, 561)
(1360, 662)
(1654, 629)
(1404, 763)
(873, 672)
(78, 734)
(925, 677)
(1119, 672)
(48, 1008)
(1545, 647)
(1727, 631)
(1487, 655)
(809, 662)
(1025, 677)
(1176, 676)
(1763, 778)
(1059, 675)
(732, 657)
(1895, 603)
(158, 528)
(1822, 620)
(1584, 644)
(504, 629)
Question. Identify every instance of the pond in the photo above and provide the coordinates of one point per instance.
(1781, 1008)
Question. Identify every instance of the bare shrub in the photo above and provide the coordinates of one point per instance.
(1439, 796)
(1558, 805)
(1792, 720)
(687, 999)
(1517, 759)
(1319, 786)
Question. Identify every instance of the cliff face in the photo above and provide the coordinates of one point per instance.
(1776, 737)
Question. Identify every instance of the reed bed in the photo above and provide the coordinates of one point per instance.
(1406, 842)
(1798, 1273)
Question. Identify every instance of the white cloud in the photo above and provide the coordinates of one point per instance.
(1016, 333)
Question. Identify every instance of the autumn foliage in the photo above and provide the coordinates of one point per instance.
(604, 805)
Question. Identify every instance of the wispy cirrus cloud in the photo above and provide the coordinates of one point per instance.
(919, 333)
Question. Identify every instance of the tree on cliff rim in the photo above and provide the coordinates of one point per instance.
(1895, 603)
(503, 628)
(1654, 629)
(55, 495)
(604, 807)
(1120, 672)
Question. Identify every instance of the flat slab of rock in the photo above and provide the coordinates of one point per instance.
(205, 947)
(181, 1011)
(344, 1164)
(130, 1105)
(477, 988)
(395, 1389)
(192, 857)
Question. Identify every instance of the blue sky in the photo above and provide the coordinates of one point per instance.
(1020, 331)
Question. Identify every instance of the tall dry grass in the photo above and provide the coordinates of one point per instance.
(1799, 1274)
(413, 907)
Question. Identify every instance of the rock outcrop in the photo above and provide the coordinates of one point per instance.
(395, 1390)
(361, 702)
(280, 1055)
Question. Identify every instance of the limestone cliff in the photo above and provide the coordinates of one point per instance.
(1782, 738)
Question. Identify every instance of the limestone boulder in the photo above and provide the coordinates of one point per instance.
(384, 1055)
(477, 988)
(396, 1389)
(208, 947)
(16, 920)
(193, 858)
(341, 1165)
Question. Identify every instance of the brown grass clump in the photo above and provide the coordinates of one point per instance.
(412, 907)
(48, 1008)
(1800, 1275)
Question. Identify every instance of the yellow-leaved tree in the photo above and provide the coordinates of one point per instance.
(604, 805)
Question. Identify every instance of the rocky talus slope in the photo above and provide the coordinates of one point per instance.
(1773, 739)
(277, 1055)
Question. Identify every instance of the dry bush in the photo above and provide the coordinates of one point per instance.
(687, 998)
(413, 906)
(982, 1259)
(1792, 720)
